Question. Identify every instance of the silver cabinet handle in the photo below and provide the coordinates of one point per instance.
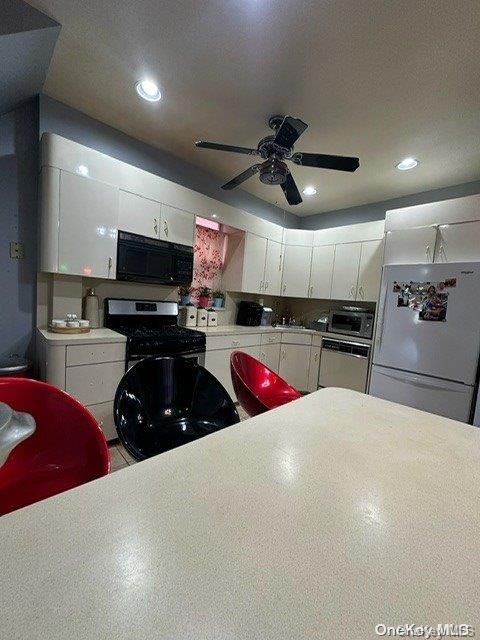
(155, 226)
(283, 354)
(284, 288)
(361, 293)
(352, 291)
(265, 285)
(165, 227)
(315, 357)
(280, 263)
(427, 251)
(261, 285)
(310, 290)
(235, 343)
(110, 262)
(262, 356)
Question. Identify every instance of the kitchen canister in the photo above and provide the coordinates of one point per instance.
(212, 318)
(91, 312)
(187, 316)
(202, 317)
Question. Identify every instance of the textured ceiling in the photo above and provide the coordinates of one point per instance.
(380, 80)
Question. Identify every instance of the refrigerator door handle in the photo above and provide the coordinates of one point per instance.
(382, 319)
(419, 382)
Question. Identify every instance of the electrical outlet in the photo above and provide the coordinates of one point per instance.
(16, 250)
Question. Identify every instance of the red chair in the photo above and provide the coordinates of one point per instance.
(67, 448)
(258, 388)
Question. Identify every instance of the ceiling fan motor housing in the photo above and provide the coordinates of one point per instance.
(273, 172)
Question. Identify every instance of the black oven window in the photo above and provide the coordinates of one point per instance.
(346, 323)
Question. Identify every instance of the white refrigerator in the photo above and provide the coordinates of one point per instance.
(427, 340)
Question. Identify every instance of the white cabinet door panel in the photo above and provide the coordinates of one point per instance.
(345, 271)
(273, 268)
(218, 363)
(270, 356)
(410, 246)
(87, 241)
(138, 215)
(294, 365)
(254, 263)
(296, 271)
(314, 368)
(458, 242)
(370, 271)
(177, 225)
(322, 271)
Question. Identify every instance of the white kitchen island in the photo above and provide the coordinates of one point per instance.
(318, 520)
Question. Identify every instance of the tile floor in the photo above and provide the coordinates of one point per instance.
(120, 458)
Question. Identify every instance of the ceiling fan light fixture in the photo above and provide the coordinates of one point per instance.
(148, 90)
(309, 191)
(407, 163)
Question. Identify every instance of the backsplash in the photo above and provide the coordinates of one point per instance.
(208, 259)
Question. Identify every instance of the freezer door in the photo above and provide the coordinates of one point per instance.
(444, 349)
(449, 399)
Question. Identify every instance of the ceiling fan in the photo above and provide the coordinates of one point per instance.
(275, 149)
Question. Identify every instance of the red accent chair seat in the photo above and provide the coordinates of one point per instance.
(67, 448)
(258, 388)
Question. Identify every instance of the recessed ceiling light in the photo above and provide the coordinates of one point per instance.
(214, 215)
(82, 170)
(309, 191)
(148, 90)
(407, 163)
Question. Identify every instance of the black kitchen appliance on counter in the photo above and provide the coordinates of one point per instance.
(144, 259)
(249, 314)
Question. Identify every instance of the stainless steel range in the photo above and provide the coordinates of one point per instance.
(152, 330)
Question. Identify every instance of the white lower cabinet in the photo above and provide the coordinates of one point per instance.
(218, 363)
(270, 356)
(103, 412)
(313, 369)
(294, 364)
(458, 242)
(296, 271)
(345, 271)
(87, 230)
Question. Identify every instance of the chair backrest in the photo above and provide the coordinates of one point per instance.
(257, 387)
(67, 448)
(165, 402)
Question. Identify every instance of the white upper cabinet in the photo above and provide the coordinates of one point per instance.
(138, 215)
(296, 271)
(322, 271)
(272, 280)
(87, 233)
(254, 263)
(458, 242)
(370, 270)
(299, 237)
(345, 271)
(177, 225)
(410, 246)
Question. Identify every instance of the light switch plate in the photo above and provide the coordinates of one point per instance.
(16, 250)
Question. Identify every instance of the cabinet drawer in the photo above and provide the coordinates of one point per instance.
(233, 342)
(294, 337)
(103, 412)
(271, 338)
(95, 353)
(94, 383)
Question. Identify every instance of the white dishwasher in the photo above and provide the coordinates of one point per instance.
(344, 364)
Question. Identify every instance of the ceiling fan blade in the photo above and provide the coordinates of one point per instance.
(289, 132)
(234, 182)
(321, 161)
(292, 194)
(226, 147)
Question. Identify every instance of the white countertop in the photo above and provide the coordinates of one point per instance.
(96, 336)
(317, 520)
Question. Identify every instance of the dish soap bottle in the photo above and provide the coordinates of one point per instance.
(91, 309)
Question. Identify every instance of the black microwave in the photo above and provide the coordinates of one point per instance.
(143, 259)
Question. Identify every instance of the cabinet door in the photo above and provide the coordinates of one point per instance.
(138, 215)
(322, 271)
(313, 370)
(345, 271)
(87, 234)
(410, 246)
(254, 263)
(218, 363)
(270, 356)
(177, 225)
(296, 270)
(370, 271)
(458, 242)
(294, 364)
(273, 268)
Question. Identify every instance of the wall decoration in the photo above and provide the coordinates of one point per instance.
(208, 259)
(430, 299)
